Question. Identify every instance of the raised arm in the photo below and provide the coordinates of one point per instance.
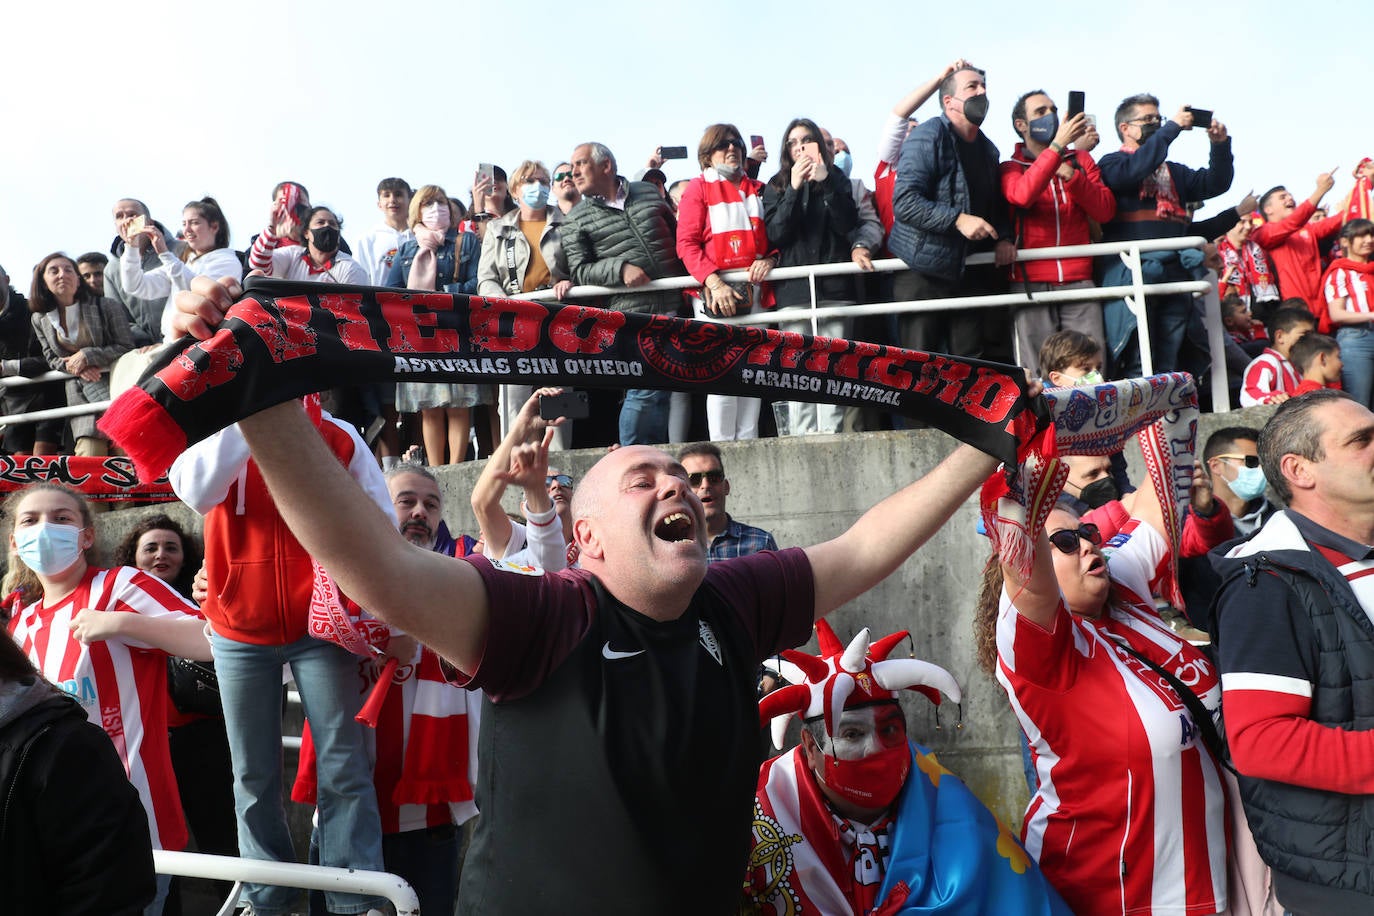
(439, 601)
(491, 484)
(886, 535)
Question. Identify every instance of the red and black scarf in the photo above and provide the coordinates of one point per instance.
(284, 339)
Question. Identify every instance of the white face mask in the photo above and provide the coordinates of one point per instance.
(48, 549)
(436, 216)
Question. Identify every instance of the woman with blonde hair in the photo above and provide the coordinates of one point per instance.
(439, 259)
(103, 635)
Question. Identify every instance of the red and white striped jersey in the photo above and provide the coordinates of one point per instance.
(122, 684)
(1267, 375)
(1131, 812)
(1352, 286)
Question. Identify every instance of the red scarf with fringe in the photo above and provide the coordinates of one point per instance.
(427, 767)
(286, 338)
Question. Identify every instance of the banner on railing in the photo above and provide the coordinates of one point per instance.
(100, 479)
(286, 339)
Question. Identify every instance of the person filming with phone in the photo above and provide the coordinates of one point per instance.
(1056, 191)
(1152, 195)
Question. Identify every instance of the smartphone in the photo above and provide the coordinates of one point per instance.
(1075, 104)
(673, 152)
(755, 140)
(486, 170)
(1202, 117)
(570, 404)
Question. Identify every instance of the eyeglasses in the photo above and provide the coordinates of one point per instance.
(711, 477)
(1251, 461)
(563, 480)
(1066, 540)
(725, 146)
(560, 176)
(1151, 119)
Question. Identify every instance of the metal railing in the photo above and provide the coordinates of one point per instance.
(287, 874)
(1134, 295)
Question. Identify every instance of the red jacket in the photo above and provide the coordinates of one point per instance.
(1294, 245)
(260, 577)
(1050, 211)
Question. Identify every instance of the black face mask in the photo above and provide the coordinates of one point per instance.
(1148, 129)
(976, 109)
(1100, 492)
(325, 238)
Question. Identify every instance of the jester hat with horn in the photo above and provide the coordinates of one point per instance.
(842, 677)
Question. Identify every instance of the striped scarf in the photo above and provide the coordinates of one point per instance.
(735, 217)
(1161, 411)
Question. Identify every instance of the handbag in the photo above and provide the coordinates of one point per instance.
(193, 686)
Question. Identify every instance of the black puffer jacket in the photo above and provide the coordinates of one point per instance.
(1319, 843)
(73, 834)
(600, 240)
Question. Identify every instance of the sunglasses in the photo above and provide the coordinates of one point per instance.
(1251, 461)
(559, 176)
(1066, 540)
(563, 480)
(712, 477)
(725, 146)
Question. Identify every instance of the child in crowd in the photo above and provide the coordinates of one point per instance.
(1070, 358)
(1317, 359)
(1242, 326)
(1270, 377)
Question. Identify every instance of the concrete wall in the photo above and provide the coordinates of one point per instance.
(808, 489)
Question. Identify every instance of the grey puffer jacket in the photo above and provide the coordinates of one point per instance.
(599, 240)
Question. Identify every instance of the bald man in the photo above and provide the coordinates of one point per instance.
(623, 728)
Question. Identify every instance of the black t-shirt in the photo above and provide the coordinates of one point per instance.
(618, 760)
(981, 177)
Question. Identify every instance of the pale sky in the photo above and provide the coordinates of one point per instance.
(171, 101)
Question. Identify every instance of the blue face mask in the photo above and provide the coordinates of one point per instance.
(1042, 130)
(1249, 483)
(843, 161)
(48, 549)
(535, 195)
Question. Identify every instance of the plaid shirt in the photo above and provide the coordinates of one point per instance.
(739, 540)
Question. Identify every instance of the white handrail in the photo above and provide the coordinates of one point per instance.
(290, 874)
(20, 381)
(1134, 296)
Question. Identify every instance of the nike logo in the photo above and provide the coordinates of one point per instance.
(614, 654)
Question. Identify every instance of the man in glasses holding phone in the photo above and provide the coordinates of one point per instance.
(706, 475)
(1152, 195)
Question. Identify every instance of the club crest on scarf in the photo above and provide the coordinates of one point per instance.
(843, 676)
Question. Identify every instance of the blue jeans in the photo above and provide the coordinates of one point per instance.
(1357, 362)
(644, 417)
(327, 678)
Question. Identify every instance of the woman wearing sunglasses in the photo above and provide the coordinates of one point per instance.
(1130, 813)
(720, 228)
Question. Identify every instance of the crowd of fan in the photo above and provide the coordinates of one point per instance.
(1284, 278)
(935, 201)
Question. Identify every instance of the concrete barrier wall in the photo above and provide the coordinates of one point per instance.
(808, 489)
